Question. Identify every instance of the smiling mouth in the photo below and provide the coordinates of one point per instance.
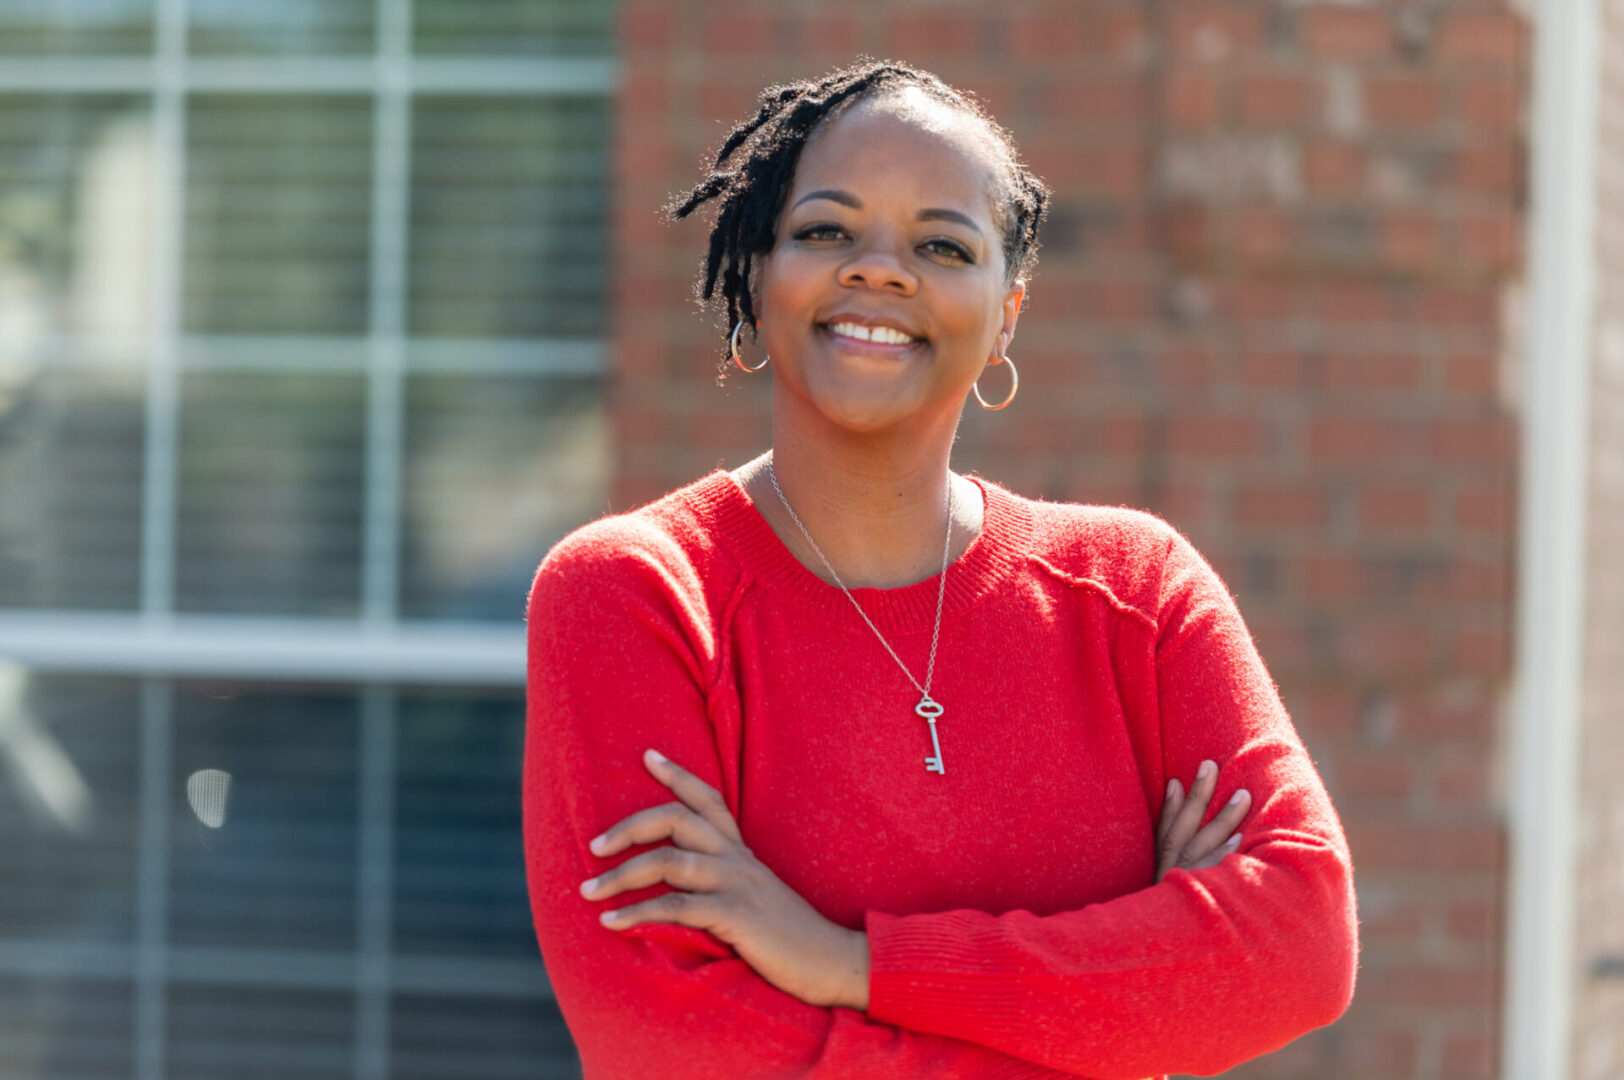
(871, 335)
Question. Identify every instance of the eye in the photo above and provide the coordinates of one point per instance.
(820, 230)
(952, 249)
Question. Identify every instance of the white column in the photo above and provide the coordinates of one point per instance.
(1543, 779)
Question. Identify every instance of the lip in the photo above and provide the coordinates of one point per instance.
(859, 347)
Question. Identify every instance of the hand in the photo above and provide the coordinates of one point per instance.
(729, 892)
(1178, 844)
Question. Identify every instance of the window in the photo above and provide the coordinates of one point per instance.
(301, 372)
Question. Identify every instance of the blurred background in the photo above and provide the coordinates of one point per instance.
(321, 320)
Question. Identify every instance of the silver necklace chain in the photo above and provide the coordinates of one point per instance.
(941, 590)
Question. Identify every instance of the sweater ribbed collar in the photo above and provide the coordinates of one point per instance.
(733, 519)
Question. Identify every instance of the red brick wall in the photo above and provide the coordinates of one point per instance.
(1598, 1048)
(1269, 309)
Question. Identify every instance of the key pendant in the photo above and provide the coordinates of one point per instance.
(930, 710)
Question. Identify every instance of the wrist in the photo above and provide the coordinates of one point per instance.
(857, 967)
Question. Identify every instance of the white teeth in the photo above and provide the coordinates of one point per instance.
(884, 335)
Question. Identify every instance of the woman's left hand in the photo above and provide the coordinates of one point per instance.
(726, 890)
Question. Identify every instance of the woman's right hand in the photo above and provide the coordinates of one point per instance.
(1178, 841)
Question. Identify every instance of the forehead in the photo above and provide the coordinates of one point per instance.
(905, 146)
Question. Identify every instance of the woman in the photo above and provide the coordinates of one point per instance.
(875, 864)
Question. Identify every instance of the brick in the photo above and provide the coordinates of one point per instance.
(1412, 242)
(1467, 305)
(1403, 102)
(1381, 776)
(1345, 33)
(1119, 34)
(1472, 375)
(1270, 505)
(1184, 230)
(1490, 242)
(1423, 845)
(1276, 99)
(1490, 508)
(1272, 370)
(1495, 170)
(934, 34)
(1429, 985)
(1357, 302)
(1479, 440)
(1480, 37)
(740, 32)
(1213, 30)
(1192, 99)
(1469, 1056)
(1263, 235)
(644, 27)
(1361, 371)
(1485, 651)
(1491, 106)
(1473, 920)
(1216, 436)
(1462, 783)
(1358, 439)
(1334, 167)
(1381, 1053)
(1390, 507)
(1098, 101)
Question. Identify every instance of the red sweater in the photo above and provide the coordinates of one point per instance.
(1087, 656)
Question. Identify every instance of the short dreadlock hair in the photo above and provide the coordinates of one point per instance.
(751, 178)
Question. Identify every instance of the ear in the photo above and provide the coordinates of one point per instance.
(1011, 315)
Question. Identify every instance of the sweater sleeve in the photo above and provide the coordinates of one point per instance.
(616, 664)
(1200, 971)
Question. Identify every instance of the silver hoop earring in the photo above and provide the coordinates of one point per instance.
(1014, 385)
(733, 347)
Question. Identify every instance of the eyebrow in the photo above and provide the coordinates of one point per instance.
(930, 213)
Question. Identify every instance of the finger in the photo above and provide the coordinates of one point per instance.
(1213, 858)
(682, 869)
(1194, 808)
(1170, 807)
(689, 909)
(672, 821)
(703, 799)
(1223, 823)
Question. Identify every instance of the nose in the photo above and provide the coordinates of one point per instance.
(875, 265)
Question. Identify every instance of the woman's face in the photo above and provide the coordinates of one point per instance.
(884, 295)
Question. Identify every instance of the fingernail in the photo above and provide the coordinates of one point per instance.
(1238, 796)
(588, 886)
(654, 756)
(1207, 769)
(609, 916)
(1170, 786)
(597, 843)
(1233, 842)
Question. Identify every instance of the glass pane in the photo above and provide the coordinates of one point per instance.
(497, 468)
(263, 818)
(278, 217)
(75, 27)
(270, 502)
(455, 1038)
(459, 857)
(508, 207)
(54, 1028)
(75, 219)
(259, 1034)
(514, 27)
(70, 468)
(68, 800)
(289, 27)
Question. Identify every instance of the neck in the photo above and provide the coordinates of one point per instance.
(877, 507)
